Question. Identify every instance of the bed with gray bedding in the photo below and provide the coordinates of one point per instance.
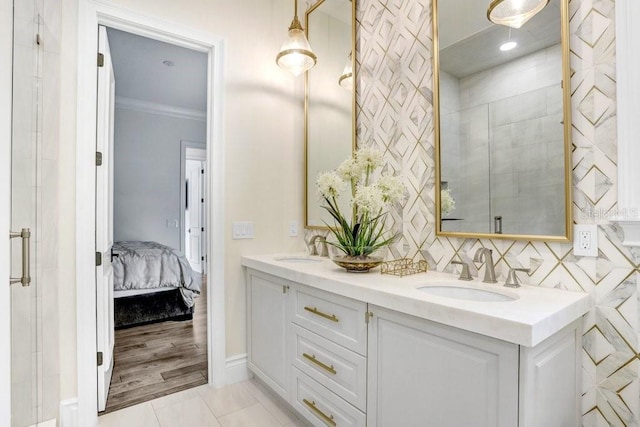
(152, 282)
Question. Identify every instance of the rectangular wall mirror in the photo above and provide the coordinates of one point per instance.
(329, 112)
(503, 123)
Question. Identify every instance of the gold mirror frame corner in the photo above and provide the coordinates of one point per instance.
(307, 196)
(568, 144)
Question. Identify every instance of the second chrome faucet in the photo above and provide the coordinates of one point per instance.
(485, 255)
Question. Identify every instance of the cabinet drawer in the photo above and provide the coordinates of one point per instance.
(320, 406)
(340, 370)
(339, 319)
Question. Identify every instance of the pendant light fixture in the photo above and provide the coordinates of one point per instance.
(346, 78)
(295, 54)
(514, 13)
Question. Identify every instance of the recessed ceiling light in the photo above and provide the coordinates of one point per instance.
(508, 46)
(168, 63)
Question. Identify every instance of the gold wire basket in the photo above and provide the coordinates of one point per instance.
(403, 267)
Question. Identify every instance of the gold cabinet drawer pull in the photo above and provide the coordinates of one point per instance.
(313, 359)
(328, 420)
(315, 311)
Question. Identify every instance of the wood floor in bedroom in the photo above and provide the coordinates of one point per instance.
(155, 360)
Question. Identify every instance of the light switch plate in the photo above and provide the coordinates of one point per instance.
(585, 240)
(242, 230)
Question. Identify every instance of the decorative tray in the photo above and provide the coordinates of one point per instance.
(403, 267)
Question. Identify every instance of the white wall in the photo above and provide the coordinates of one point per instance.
(147, 174)
(262, 133)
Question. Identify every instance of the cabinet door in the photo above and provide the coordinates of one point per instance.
(267, 330)
(422, 373)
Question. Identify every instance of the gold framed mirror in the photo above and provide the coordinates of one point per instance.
(329, 102)
(502, 107)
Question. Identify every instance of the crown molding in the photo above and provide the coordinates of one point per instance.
(163, 109)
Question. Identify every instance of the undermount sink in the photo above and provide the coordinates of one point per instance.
(467, 293)
(297, 259)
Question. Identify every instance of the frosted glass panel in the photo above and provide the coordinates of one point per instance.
(26, 342)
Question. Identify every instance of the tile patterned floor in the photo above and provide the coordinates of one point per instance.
(245, 404)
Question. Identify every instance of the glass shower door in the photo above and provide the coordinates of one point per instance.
(26, 341)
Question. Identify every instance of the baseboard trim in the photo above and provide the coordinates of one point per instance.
(50, 423)
(69, 413)
(237, 369)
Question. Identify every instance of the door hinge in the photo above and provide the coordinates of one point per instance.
(100, 358)
(202, 171)
(38, 39)
(285, 289)
(98, 158)
(100, 60)
(201, 200)
(98, 259)
(202, 229)
(201, 258)
(367, 316)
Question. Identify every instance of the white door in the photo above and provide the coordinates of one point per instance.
(194, 215)
(104, 219)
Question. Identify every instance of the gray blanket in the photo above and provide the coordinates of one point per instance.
(150, 265)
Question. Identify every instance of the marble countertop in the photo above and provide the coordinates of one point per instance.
(535, 315)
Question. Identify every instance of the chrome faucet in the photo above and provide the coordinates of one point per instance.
(464, 274)
(313, 250)
(485, 254)
(512, 279)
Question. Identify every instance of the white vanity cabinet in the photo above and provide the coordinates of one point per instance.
(267, 326)
(328, 335)
(343, 361)
(423, 373)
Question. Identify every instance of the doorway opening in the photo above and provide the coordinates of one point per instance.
(151, 300)
(91, 15)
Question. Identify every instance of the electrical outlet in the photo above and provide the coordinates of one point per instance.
(585, 240)
(293, 228)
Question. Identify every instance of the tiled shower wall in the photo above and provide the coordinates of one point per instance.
(508, 117)
(395, 113)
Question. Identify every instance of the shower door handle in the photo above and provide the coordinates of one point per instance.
(25, 235)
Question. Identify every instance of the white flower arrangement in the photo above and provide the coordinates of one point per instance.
(447, 202)
(365, 232)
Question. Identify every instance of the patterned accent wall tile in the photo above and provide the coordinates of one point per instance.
(395, 106)
(395, 113)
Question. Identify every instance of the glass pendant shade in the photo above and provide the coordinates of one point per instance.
(295, 54)
(514, 13)
(346, 78)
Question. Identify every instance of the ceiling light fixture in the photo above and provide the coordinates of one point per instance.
(514, 13)
(295, 54)
(508, 46)
(346, 78)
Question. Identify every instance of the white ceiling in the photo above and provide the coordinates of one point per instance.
(469, 42)
(141, 74)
